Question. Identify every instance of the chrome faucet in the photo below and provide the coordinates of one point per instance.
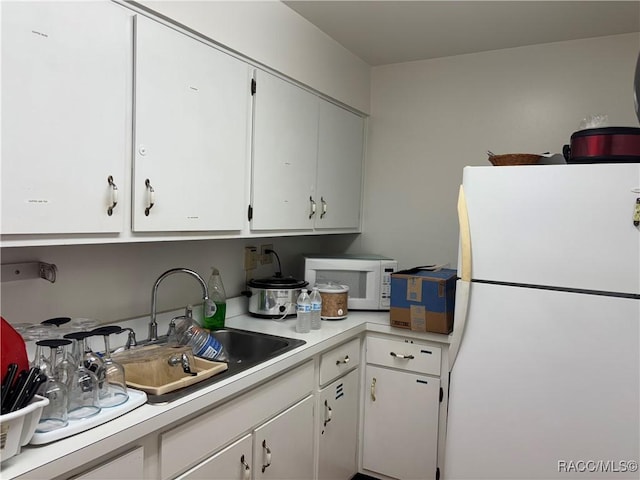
(153, 324)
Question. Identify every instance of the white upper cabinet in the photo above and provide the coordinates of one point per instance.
(307, 160)
(66, 79)
(285, 142)
(339, 173)
(191, 146)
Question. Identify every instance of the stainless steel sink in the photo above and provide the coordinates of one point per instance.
(242, 347)
(244, 350)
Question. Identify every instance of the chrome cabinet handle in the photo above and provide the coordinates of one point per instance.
(151, 197)
(373, 389)
(345, 360)
(266, 451)
(399, 355)
(312, 203)
(246, 473)
(114, 195)
(324, 207)
(327, 413)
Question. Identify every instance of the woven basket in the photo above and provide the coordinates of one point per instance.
(514, 159)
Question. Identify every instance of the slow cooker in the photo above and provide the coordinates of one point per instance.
(274, 297)
(335, 299)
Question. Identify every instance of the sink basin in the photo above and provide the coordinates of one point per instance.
(249, 347)
(244, 350)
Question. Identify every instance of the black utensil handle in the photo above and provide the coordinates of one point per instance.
(7, 381)
(22, 392)
(32, 389)
(13, 391)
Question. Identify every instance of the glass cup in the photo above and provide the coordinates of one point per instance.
(83, 384)
(90, 359)
(66, 366)
(55, 414)
(113, 387)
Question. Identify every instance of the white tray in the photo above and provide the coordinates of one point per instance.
(16, 428)
(136, 398)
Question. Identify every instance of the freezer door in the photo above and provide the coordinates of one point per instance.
(569, 226)
(545, 380)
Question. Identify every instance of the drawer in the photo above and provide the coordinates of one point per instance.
(339, 360)
(404, 354)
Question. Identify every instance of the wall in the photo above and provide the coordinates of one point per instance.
(271, 33)
(431, 118)
(114, 282)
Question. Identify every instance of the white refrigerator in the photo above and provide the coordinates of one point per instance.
(545, 352)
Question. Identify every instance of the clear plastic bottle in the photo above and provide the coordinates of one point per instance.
(316, 308)
(218, 296)
(303, 323)
(203, 344)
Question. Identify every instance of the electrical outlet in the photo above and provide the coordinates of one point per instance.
(266, 258)
(250, 258)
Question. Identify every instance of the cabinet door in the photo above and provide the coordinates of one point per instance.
(66, 79)
(338, 417)
(400, 423)
(232, 463)
(283, 447)
(340, 147)
(285, 141)
(191, 133)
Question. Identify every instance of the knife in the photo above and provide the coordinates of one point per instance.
(32, 389)
(23, 394)
(7, 382)
(22, 390)
(13, 392)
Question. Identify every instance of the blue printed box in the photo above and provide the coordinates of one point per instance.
(423, 300)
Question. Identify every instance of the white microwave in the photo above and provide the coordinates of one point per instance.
(367, 276)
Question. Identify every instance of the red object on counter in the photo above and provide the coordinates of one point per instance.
(12, 348)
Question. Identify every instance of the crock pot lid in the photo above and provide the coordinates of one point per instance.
(332, 288)
(277, 282)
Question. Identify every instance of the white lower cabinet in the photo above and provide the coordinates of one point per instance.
(283, 447)
(129, 466)
(401, 409)
(338, 428)
(281, 408)
(231, 463)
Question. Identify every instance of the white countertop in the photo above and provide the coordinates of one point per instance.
(149, 418)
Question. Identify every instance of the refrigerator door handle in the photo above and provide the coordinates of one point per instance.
(464, 284)
(465, 237)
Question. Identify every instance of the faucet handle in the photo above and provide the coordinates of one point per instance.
(131, 338)
(172, 333)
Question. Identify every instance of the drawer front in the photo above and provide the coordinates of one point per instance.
(404, 354)
(339, 360)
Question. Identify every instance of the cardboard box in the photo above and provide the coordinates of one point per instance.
(423, 300)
